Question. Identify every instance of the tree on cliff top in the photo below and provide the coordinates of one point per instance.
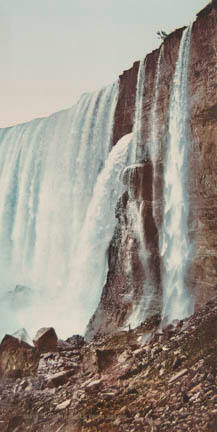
(161, 34)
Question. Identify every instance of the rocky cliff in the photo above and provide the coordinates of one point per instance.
(201, 280)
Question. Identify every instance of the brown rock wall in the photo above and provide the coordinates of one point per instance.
(201, 279)
(203, 155)
(124, 114)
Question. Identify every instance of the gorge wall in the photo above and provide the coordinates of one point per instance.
(127, 276)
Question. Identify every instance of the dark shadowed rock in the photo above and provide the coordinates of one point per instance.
(17, 358)
(76, 341)
(59, 378)
(46, 339)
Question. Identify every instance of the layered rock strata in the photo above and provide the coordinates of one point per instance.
(201, 278)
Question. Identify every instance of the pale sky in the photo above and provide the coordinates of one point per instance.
(54, 50)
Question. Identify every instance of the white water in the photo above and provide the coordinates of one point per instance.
(135, 208)
(141, 309)
(153, 140)
(48, 171)
(175, 241)
(136, 151)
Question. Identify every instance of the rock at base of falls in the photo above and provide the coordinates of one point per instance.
(17, 358)
(140, 379)
(46, 339)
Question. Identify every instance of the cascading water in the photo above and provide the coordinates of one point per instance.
(143, 308)
(153, 141)
(136, 148)
(90, 266)
(135, 206)
(175, 241)
(48, 171)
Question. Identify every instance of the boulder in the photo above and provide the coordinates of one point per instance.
(17, 358)
(46, 339)
(63, 405)
(59, 379)
(76, 341)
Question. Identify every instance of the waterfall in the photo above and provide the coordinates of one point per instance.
(175, 241)
(135, 207)
(90, 267)
(153, 140)
(137, 151)
(48, 179)
(143, 308)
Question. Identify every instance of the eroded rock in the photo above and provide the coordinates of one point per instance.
(46, 339)
(17, 358)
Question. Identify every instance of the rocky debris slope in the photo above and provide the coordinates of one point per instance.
(147, 379)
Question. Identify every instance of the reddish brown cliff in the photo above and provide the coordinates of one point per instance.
(203, 163)
(123, 285)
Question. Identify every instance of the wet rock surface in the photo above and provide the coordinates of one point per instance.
(201, 277)
(147, 379)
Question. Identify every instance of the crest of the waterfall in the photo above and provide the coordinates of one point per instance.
(48, 171)
(175, 247)
(136, 152)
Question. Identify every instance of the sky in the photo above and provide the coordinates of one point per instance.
(52, 51)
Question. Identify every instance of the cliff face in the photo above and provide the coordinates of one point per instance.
(127, 278)
(203, 157)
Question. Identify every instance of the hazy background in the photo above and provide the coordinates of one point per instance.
(54, 50)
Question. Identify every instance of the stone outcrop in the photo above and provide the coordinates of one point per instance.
(126, 276)
(17, 358)
(46, 339)
(76, 341)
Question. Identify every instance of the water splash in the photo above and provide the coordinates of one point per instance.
(175, 241)
(48, 171)
(74, 305)
(142, 308)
